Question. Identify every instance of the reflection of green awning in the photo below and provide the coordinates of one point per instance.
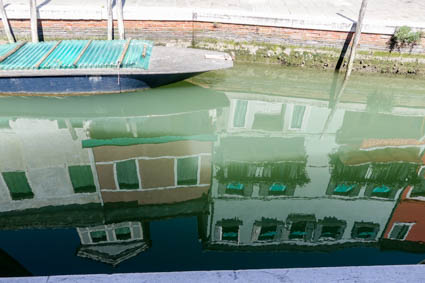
(262, 149)
(362, 125)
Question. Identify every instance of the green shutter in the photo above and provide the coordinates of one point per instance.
(240, 113)
(18, 185)
(82, 179)
(297, 116)
(127, 175)
(187, 171)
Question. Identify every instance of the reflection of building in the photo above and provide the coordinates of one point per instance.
(406, 228)
(110, 176)
(43, 163)
(112, 243)
(333, 189)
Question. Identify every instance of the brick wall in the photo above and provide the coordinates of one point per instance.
(168, 31)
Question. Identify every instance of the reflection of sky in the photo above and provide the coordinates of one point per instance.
(175, 247)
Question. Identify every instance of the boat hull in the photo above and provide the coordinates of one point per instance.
(85, 84)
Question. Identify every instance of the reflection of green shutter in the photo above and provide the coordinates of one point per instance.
(18, 185)
(399, 232)
(82, 179)
(123, 233)
(98, 236)
(297, 116)
(240, 113)
(127, 175)
(187, 171)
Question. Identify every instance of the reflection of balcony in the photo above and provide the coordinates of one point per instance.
(379, 173)
(260, 167)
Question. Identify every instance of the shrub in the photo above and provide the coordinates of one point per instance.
(405, 37)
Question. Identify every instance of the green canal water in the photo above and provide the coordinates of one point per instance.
(252, 167)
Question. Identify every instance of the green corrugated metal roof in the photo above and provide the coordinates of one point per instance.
(4, 48)
(99, 54)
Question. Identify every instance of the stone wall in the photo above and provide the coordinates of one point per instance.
(188, 32)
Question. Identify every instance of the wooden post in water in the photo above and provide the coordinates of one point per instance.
(110, 20)
(120, 19)
(33, 16)
(350, 64)
(6, 25)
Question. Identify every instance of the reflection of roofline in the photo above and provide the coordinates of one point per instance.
(73, 215)
(84, 251)
(129, 211)
(348, 106)
(311, 247)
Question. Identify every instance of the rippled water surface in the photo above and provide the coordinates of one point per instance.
(253, 167)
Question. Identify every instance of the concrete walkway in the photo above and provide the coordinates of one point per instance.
(406, 273)
(382, 16)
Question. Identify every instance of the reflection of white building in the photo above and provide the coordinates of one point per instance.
(42, 163)
(112, 243)
(325, 211)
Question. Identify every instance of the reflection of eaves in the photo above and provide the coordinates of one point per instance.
(290, 246)
(122, 251)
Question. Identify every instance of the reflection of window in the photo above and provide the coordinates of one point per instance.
(365, 231)
(240, 113)
(297, 116)
(400, 231)
(277, 189)
(330, 228)
(302, 226)
(228, 230)
(235, 189)
(381, 191)
(333, 232)
(347, 189)
(298, 230)
(187, 171)
(343, 189)
(127, 175)
(230, 233)
(82, 179)
(98, 236)
(418, 190)
(18, 185)
(267, 233)
(123, 233)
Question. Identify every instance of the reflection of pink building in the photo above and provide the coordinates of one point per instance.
(154, 173)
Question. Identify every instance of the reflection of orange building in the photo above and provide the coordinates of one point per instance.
(407, 224)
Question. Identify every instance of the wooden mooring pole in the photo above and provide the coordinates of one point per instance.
(351, 58)
(120, 18)
(6, 25)
(33, 16)
(110, 20)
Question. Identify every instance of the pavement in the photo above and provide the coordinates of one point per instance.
(382, 16)
(400, 273)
